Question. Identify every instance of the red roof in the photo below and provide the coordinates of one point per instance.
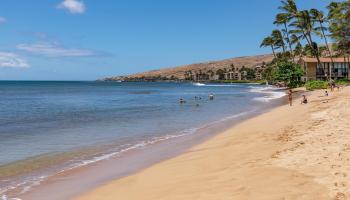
(324, 60)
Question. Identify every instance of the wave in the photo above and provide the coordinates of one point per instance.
(139, 145)
(237, 115)
(270, 91)
(216, 85)
(199, 84)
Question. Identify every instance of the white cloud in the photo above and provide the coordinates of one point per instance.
(3, 20)
(8, 59)
(54, 50)
(73, 6)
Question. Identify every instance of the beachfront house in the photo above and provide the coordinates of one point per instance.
(315, 72)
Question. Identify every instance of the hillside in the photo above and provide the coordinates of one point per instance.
(179, 72)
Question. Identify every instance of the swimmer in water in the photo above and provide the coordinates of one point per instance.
(181, 101)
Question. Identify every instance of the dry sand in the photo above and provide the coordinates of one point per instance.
(298, 152)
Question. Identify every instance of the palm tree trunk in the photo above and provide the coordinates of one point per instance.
(314, 50)
(288, 41)
(345, 61)
(273, 51)
(329, 51)
(348, 62)
(283, 48)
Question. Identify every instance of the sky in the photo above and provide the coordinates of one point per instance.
(92, 39)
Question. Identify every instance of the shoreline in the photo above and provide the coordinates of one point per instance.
(85, 178)
(247, 162)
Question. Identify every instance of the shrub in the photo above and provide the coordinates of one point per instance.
(296, 84)
(342, 81)
(288, 72)
(314, 85)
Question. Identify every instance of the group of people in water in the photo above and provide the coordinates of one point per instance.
(210, 97)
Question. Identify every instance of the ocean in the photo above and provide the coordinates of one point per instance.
(47, 127)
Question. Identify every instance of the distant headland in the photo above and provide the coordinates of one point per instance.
(239, 69)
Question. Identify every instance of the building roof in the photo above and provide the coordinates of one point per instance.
(323, 59)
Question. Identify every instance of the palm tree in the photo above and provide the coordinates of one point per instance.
(290, 8)
(299, 50)
(320, 18)
(308, 50)
(232, 67)
(210, 74)
(304, 26)
(302, 23)
(298, 47)
(268, 42)
(283, 19)
(278, 40)
(220, 73)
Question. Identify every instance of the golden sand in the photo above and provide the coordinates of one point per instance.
(298, 152)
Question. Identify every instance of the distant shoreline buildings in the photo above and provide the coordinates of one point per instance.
(228, 73)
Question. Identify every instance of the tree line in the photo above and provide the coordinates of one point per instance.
(221, 73)
(298, 30)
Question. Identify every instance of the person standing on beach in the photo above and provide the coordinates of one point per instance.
(290, 97)
(331, 84)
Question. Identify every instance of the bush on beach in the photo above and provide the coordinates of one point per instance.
(296, 84)
(314, 85)
(284, 71)
(342, 82)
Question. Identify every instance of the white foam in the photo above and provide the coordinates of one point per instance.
(198, 84)
(223, 85)
(4, 197)
(236, 116)
(139, 145)
(216, 85)
(271, 93)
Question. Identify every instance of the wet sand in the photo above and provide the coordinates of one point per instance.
(298, 152)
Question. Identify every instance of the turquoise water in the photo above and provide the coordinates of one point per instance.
(68, 124)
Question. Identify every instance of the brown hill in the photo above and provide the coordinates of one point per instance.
(179, 72)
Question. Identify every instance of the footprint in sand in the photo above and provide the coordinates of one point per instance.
(341, 184)
(340, 174)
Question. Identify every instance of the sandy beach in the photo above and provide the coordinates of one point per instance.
(298, 152)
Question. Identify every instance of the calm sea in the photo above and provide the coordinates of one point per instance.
(47, 127)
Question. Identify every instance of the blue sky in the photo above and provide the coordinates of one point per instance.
(91, 39)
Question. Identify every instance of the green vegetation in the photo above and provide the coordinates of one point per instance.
(250, 74)
(314, 85)
(285, 71)
(172, 78)
(221, 73)
(342, 82)
(238, 81)
(299, 31)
